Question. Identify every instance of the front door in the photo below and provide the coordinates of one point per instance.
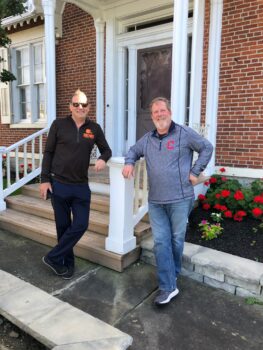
(153, 80)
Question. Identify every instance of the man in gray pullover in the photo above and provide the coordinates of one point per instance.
(168, 152)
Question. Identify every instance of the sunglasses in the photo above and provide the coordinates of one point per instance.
(77, 104)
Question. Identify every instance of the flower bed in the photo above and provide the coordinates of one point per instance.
(229, 218)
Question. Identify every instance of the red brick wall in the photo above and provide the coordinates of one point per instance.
(240, 109)
(76, 59)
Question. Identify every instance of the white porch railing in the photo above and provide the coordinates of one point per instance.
(128, 204)
(21, 163)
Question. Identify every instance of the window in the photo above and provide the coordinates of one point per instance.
(28, 90)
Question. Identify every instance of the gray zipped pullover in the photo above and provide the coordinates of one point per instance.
(169, 161)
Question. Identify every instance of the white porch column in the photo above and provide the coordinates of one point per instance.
(121, 238)
(100, 28)
(111, 84)
(49, 14)
(216, 10)
(132, 96)
(197, 63)
(178, 94)
(121, 101)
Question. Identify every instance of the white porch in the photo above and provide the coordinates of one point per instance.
(114, 17)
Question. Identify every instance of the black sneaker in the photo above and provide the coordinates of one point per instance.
(58, 269)
(164, 297)
(68, 275)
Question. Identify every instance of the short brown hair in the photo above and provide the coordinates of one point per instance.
(161, 99)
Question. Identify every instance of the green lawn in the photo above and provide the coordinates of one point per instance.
(14, 193)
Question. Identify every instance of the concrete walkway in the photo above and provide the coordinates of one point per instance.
(201, 317)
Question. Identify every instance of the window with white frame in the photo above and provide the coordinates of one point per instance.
(28, 90)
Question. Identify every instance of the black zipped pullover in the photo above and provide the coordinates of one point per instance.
(68, 149)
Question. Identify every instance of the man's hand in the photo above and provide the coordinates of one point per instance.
(128, 171)
(193, 179)
(43, 188)
(99, 165)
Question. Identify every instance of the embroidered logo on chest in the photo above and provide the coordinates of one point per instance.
(88, 134)
(170, 145)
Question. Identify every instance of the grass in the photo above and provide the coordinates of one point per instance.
(252, 301)
(19, 191)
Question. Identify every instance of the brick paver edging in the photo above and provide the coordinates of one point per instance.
(55, 323)
(239, 276)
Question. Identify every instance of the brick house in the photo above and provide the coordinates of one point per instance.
(206, 56)
(128, 35)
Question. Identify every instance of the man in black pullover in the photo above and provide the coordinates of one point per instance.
(64, 178)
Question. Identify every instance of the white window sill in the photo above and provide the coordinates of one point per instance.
(37, 125)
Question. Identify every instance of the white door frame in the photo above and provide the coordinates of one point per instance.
(134, 41)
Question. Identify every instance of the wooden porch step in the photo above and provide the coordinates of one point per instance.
(91, 246)
(98, 202)
(98, 222)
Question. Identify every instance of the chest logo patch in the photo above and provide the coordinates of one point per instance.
(170, 145)
(88, 134)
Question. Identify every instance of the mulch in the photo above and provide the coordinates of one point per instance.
(237, 238)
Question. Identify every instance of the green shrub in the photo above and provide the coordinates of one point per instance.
(232, 199)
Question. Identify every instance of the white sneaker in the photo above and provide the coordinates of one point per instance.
(164, 297)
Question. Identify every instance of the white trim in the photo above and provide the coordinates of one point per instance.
(100, 27)
(197, 63)
(28, 125)
(178, 91)
(132, 96)
(213, 71)
(120, 122)
(134, 41)
(111, 85)
(50, 64)
(240, 172)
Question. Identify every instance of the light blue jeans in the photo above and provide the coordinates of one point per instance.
(168, 222)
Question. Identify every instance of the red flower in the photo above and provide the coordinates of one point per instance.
(220, 207)
(206, 206)
(212, 180)
(223, 208)
(239, 196)
(238, 218)
(206, 183)
(225, 193)
(223, 178)
(258, 199)
(201, 197)
(257, 212)
(241, 213)
(4, 156)
(218, 195)
(222, 170)
(21, 165)
(228, 214)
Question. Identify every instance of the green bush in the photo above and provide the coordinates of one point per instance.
(232, 199)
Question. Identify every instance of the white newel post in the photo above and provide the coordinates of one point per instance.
(49, 14)
(2, 202)
(121, 238)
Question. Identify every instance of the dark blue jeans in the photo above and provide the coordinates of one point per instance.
(71, 204)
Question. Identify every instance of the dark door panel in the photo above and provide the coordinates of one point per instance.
(154, 79)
